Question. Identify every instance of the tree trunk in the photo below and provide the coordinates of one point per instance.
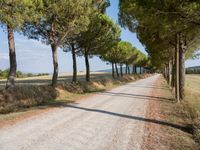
(87, 64)
(169, 72)
(183, 48)
(116, 70)
(140, 70)
(136, 69)
(74, 78)
(177, 90)
(55, 64)
(113, 70)
(133, 69)
(121, 70)
(173, 74)
(164, 73)
(128, 70)
(13, 62)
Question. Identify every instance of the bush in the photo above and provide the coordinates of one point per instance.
(4, 74)
(193, 70)
(19, 74)
(30, 75)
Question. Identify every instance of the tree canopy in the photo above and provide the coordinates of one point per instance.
(168, 29)
(81, 27)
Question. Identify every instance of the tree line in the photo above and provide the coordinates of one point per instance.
(169, 29)
(80, 27)
(4, 74)
(123, 53)
(193, 70)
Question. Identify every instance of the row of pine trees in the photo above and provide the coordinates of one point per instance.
(169, 30)
(80, 27)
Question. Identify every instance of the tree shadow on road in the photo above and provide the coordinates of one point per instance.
(159, 122)
(151, 87)
(137, 96)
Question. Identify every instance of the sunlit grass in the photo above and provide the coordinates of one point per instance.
(193, 90)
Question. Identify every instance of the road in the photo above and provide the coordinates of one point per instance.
(112, 120)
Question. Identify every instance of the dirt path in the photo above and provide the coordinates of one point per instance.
(111, 120)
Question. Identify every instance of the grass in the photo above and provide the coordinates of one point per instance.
(46, 80)
(187, 114)
(191, 105)
(24, 97)
(193, 91)
(180, 114)
(27, 100)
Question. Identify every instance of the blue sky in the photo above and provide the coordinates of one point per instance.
(35, 57)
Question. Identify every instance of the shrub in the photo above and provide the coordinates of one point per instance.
(19, 74)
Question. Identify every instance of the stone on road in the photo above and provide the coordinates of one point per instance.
(112, 120)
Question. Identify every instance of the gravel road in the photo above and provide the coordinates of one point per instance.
(112, 120)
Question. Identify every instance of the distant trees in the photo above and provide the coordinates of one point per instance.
(123, 53)
(169, 30)
(193, 70)
(5, 73)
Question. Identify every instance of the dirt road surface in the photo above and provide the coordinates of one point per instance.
(112, 120)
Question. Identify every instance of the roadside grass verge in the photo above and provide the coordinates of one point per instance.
(173, 138)
(28, 96)
(187, 114)
(177, 133)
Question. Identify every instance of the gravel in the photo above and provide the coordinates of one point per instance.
(112, 120)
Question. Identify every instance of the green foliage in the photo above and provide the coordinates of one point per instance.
(193, 70)
(124, 53)
(59, 19)
(19, 74)
(15, 13)
(4, 74)
(102, 5)
(101, 35)
(158, 22)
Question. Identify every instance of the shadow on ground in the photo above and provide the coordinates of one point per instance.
(137, 96)
(151, 87)
(146, 120)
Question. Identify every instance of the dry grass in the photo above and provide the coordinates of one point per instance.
(26, 96)
(187, 113)
(167, 137)
(174, 138)
(46, 80)
(193, 90)
(184, 115)
(192, 103)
